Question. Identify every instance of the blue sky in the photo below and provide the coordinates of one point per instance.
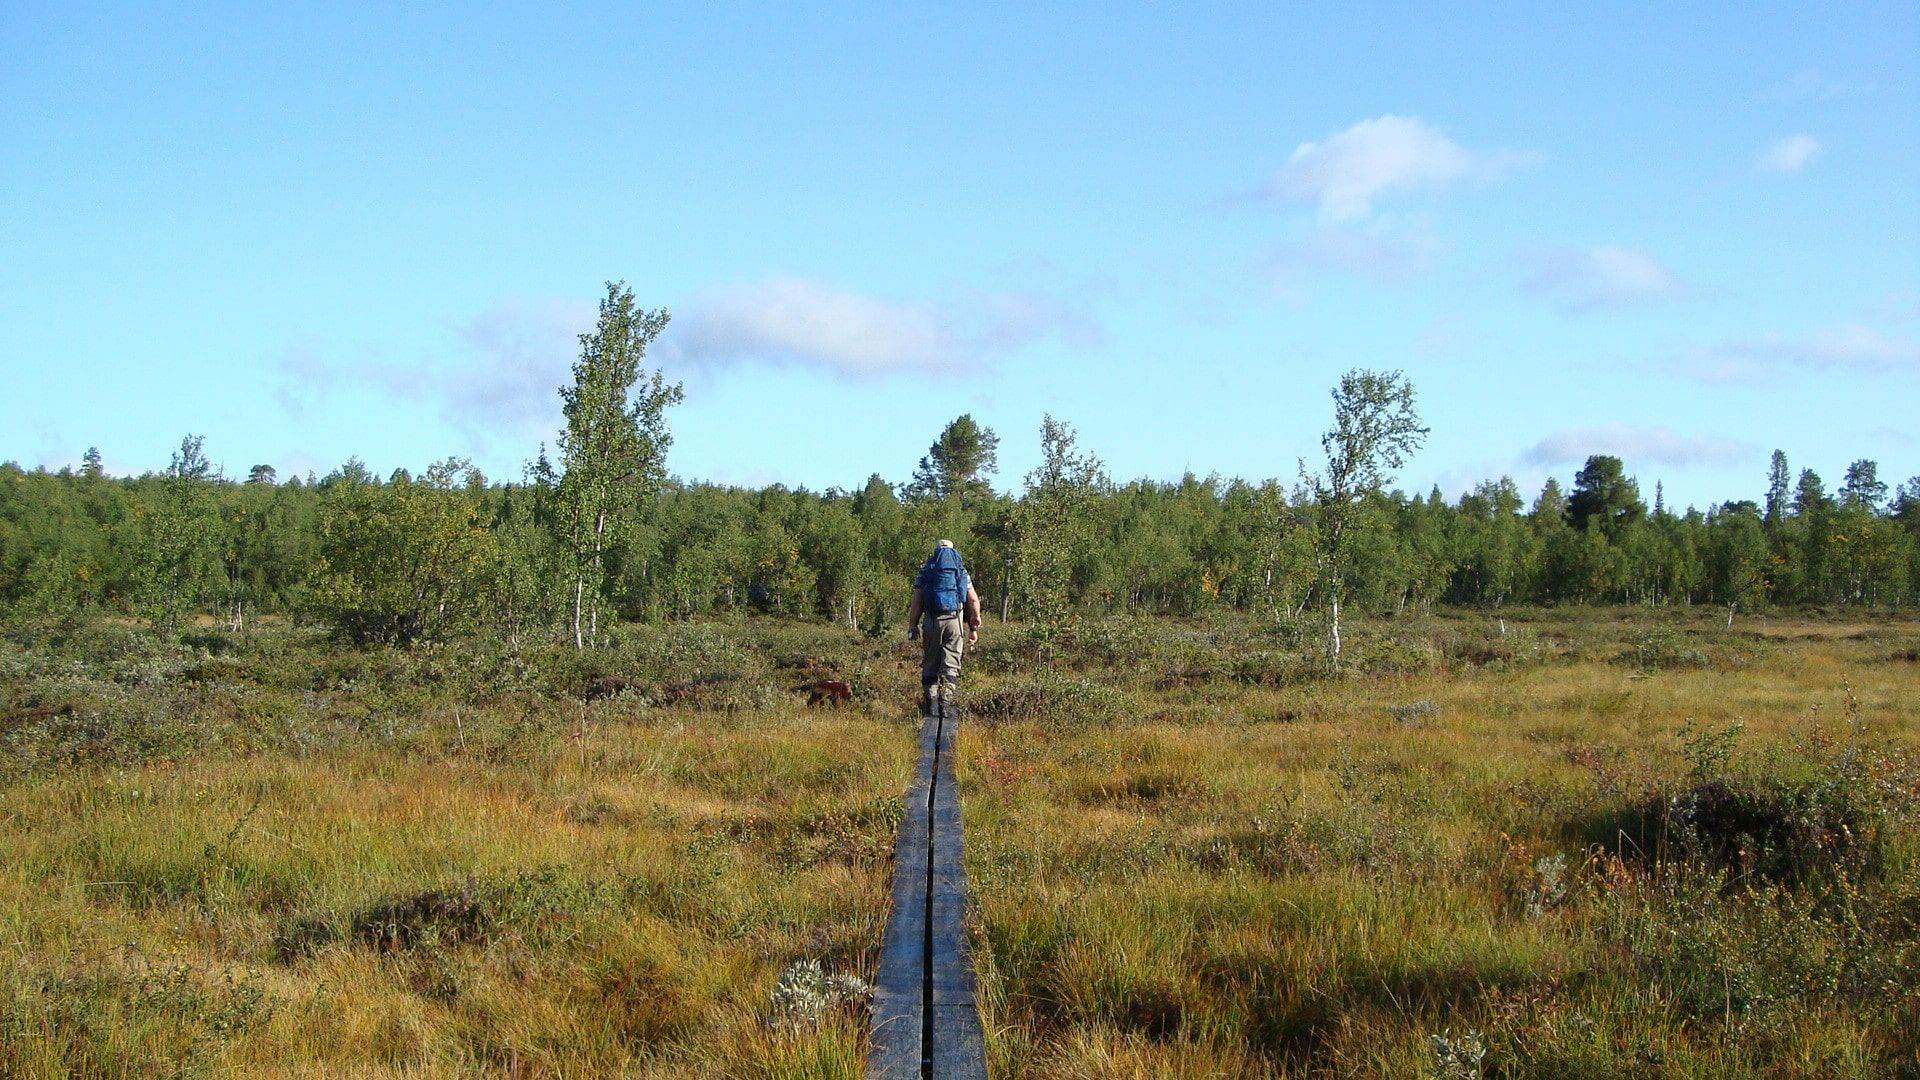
(1680, 233)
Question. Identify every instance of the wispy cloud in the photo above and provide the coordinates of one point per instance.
(518, 351)
(1457, 480)
(311, 369)
(805, 323)
(1347, 171)
(1850, 348)
(1635, 445)
(1579, 280)
(1811, 84)
(1789, 154)
(1374, 254)
(498, 376)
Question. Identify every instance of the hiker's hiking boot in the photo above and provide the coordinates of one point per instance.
(936, 696)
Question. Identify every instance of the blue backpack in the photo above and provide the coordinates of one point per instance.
(943, 582)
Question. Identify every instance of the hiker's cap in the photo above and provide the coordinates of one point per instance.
(944, 543)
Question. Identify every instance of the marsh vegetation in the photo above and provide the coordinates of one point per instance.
(1596, 843)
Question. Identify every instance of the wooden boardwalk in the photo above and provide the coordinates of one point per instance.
(925, 1020)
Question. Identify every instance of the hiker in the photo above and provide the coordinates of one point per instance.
(943, 599)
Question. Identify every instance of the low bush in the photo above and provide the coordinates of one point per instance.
(1834, 814)
(1049, 698)
(1722, 946)
(473, 912)
(1273, 668)
(1663, 649)
(165, 1020)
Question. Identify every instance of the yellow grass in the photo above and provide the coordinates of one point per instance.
(1214, 891)
(139, 908)
(1191, 854)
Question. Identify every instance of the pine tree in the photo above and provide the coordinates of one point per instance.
(1604, 497)
(1779, 496)
(957, 464)
(90, 463)
(1906, 502)
(1813, 511)
(1862, 489)
(1809, 494)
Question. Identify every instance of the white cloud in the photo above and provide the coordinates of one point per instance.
(798, 321)
(1635, 446)
(1457, 480)
(1850, 348)
(1899, 306)
(1581, 280)
(1345, 172)
(1789, 154)
(806, 323)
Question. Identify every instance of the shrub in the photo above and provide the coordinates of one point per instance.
(1776, 830)
(1395, 655)
(1458, 1057)
(1414, 713)
(474, 912)
(1835, 813)
(1266, 668)
(678, 653)
(1663, 649)
(170, 1020)
(1719, 946)
(1049, 698)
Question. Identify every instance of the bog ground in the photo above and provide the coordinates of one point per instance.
(1596, 843)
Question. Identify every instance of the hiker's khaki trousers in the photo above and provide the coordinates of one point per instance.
(943, 640)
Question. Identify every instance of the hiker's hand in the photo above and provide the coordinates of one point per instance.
(913, 633)
(973, 635)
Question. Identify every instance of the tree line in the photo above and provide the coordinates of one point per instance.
(602, 534)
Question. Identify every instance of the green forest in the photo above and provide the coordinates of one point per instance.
(600, 532)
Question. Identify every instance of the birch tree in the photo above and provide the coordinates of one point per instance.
(1054, 525)
(1375, 429)
(178, 544)
(613, 449)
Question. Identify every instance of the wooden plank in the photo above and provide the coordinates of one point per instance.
(896, 1050)
(950, 965)
(926, 1021)
(950, 968)
(959, 1045)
